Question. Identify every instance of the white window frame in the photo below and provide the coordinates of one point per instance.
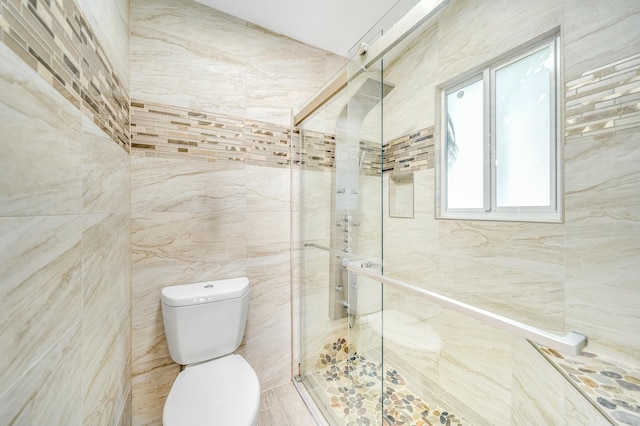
(490, 210)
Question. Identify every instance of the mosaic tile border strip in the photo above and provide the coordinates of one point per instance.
(167, 131)
(53, 37)
(316, 151)
(611, 386)
(410, 153)
(354, 387)
(604, 100)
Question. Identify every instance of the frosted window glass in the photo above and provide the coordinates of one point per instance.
(523, 131)
(464, 148)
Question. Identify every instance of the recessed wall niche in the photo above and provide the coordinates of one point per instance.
(401, 195)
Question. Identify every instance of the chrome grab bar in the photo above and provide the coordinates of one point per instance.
(572, 343)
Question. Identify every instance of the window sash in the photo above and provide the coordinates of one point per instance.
(490, 210)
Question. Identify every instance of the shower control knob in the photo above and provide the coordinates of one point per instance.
(355, 192)
(341, 191)
(347, 218)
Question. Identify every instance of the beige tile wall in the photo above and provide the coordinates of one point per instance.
(579, 275)
(65, 272)
(57, 41)
(210, 176)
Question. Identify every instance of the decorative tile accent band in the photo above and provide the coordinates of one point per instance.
(410, 153)
(53, 37)
(167, 131)
(316, 151)
(604, 100)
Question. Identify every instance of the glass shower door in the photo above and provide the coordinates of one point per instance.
(340, 222)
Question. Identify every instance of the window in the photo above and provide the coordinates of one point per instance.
(499, 149)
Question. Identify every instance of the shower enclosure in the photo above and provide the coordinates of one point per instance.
(407, 318)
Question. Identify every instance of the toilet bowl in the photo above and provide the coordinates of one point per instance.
(224, 391)
(204, 324)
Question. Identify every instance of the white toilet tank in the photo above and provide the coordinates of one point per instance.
(205, 320)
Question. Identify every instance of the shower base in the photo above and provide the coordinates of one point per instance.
(357, 390)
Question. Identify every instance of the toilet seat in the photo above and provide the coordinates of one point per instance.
(224, 391)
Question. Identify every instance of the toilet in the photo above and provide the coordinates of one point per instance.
(204, 323)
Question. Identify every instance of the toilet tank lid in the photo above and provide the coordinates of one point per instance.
(205, 292)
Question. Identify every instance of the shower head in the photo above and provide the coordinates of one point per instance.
(373, 89)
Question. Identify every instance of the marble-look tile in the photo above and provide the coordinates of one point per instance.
(49, 391)
(607, 312)
(172, 249)
(414, 74)
(269, 315)
(195, 239)
(271, 416)
(476, 366)
(469, 33)
(106, 320)
(269, 323)
(108, 376)
(412, 337)
(594, 184)
(271, 58)
(533, 298)
(41, 292)
(533, 377)
(109, 20)
(149, 393)
(168, 185)
(213, 44)
(230, 62)
(312, 189)
(270, 373)
(579, 411)
(294, 409)
(268, 232)
(268, 189)
(597, 33)
(34, 178)
(106, 173)
(526, 246)
(602, 246)
(125, 413)
(270, 114)
(267, 399)
(411, 246)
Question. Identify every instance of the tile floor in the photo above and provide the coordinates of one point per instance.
(283, 406)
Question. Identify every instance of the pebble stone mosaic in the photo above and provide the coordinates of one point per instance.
(364, 392)
(612, 386)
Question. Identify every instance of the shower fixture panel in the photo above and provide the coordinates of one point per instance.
(349, 159)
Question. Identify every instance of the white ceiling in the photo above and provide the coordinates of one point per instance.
(332, 25)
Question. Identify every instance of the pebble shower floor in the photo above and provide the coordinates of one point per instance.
(353, 385)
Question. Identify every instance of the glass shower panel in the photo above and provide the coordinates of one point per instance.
(339, 216)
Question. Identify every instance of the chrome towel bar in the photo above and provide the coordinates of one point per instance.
(572, 343)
